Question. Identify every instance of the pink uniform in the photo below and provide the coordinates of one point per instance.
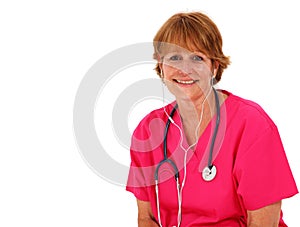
(252, 168)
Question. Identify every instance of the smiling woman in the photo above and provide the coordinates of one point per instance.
(186, 70)
(230, 189)
(194, 32)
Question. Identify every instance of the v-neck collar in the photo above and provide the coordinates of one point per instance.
(204, 139)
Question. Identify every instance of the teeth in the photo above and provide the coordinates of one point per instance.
(185, 81)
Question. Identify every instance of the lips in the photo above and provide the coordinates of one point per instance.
(185, 82)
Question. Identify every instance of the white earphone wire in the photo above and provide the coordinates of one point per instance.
(180, 189)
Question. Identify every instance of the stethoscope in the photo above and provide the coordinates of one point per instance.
(208, 173)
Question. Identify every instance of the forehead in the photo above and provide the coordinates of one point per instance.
(181, 35)
(166, 48)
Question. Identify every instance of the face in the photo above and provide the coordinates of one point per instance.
(187, 74)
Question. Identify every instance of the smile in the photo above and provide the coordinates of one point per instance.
(188, 82)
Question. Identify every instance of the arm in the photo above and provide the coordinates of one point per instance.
(267, 216)
(145, 215)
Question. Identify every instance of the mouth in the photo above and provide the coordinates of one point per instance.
(185, 82)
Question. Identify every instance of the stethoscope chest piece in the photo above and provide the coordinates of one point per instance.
(209, 174)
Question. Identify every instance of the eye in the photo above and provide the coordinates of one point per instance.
(197, 58)
(175, 58)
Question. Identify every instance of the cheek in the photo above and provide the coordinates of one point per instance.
(203, 70)
(204, 74)
(169, 71)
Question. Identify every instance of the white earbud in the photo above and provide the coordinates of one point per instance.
(213, 80)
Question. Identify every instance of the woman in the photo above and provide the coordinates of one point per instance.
(232, 168)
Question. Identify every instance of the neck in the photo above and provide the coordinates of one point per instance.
(195, 115)
(192, 110)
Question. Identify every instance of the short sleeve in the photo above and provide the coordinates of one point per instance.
(136, 182)
(146, 138)
(262, 172)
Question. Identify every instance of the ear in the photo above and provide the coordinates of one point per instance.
(215, 67)
(159, 60)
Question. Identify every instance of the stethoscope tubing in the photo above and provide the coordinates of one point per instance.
(212, 144)
(213, 141)
(165, 158)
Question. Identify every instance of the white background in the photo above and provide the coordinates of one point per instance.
(47, 47)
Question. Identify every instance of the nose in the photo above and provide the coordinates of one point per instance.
(185, 68)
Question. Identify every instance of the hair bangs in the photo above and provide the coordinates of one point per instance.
(181, 35)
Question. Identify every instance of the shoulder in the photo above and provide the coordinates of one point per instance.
(247, 112)
(148, 135)
(154, 119)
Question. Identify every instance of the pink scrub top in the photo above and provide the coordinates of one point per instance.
(252, 167)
